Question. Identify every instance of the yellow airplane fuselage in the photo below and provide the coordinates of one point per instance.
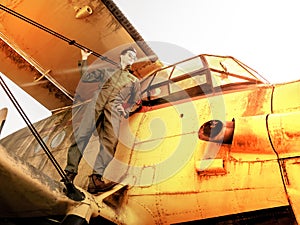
(172, 175)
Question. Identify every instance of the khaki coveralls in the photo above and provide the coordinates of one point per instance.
(116, 87)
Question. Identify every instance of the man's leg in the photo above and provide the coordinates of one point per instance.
(108, 138)
(103, 158)
(80, 139)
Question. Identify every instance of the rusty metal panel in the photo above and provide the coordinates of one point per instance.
(284, 129)
(251, 138)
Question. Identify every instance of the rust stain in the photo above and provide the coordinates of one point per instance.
(22, 64)
(16, 58)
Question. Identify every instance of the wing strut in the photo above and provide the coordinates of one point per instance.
(72, 191)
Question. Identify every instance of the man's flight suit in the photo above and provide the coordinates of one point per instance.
(117, 87)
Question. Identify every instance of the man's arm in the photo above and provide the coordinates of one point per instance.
(88, 76)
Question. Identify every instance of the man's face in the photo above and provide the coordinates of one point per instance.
(128, 58)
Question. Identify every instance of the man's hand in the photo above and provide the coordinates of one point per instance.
(85, 54)
(122, 111)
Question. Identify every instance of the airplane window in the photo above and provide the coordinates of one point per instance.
(197, 76)
(156, 81)
(227, 70)
(144, 86)
(219, 79)
(159, 91)
(189, 75)
(162, 75)
(185, 79)
(179, 87)
(58, 139)
(187, 67)
(190, 82)
(38, 146)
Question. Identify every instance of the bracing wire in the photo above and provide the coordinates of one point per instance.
(69, 41)
(32, 128)
(71, 191)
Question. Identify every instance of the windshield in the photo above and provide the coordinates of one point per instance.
(228, 70)
(175, 78)
(196, 76)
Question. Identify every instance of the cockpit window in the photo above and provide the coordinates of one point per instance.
(188, 66)
(199, 75)
(228, 70)
(175, 79)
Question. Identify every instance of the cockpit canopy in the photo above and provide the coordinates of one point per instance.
(202, 74)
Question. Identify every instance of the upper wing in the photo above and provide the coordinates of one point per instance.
(41, 40)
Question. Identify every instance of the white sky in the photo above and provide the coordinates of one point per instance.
(32, 108)
(261, 33)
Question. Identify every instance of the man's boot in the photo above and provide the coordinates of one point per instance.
(97, 184)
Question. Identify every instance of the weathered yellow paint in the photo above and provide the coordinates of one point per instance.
(168, 174)
(284, 133)
(286, 97)
(181, 193)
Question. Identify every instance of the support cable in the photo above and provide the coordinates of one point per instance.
(70, 42)
(72, 192)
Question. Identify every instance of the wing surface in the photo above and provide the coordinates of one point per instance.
(41, 40)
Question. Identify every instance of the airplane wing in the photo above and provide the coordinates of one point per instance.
(28, 193)
(25, 190)
(40, 44)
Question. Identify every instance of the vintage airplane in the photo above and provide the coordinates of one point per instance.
(213, 142)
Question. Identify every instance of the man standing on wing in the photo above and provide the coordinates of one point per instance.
(117, 88)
